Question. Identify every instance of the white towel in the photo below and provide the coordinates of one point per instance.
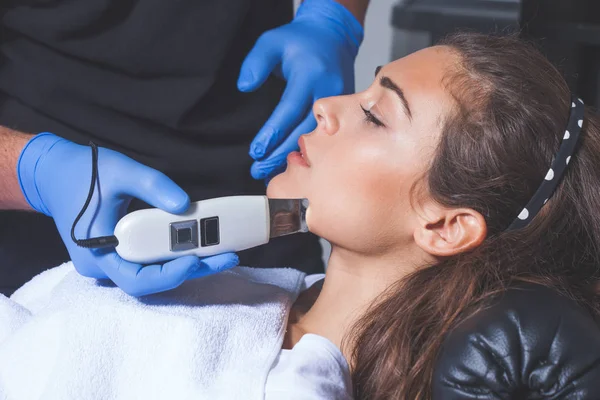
(65, 337)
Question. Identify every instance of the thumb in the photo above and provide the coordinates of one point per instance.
(153, 187)
(258, 64)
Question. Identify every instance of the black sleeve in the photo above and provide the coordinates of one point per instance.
(532, 343)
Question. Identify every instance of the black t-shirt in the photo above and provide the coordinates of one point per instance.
(153, 79)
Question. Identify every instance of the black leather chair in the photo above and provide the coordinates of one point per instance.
(532, 343)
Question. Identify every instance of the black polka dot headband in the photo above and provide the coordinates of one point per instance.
(558, 168)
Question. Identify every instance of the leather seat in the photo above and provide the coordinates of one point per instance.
(532, 343)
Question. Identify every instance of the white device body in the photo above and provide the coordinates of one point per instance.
(146, 236)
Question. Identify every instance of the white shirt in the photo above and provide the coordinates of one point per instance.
(313, 369)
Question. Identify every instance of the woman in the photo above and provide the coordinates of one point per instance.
(420, 183)
(415, 182)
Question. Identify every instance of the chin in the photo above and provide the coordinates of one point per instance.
(283, 187)
(274, 188)
(288, 185)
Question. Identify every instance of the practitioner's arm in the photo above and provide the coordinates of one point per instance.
(11, 144)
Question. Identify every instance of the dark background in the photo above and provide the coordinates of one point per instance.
(568, 31)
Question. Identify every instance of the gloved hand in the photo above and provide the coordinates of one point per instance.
(55, 176)
(315, 54)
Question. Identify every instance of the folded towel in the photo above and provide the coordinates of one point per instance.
(71, 337)
(13, 316)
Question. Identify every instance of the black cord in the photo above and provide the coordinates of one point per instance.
(98, 242)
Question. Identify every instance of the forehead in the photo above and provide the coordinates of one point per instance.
(432, 63)
(421, 76)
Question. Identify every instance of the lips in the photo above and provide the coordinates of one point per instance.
(303, 150)
(299, 157)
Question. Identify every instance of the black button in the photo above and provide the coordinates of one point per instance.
(184, 235)
(209, 231)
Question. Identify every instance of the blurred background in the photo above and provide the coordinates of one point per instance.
(567, 31)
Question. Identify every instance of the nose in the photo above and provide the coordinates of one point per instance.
(325, 114)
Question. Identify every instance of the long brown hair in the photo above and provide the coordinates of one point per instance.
(512, 108)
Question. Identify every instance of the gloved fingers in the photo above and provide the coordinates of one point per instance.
(264, 169)
(137, 280)
(152, 187)
(215, 264)
(259, 63)
(276, 161)
(289, 112)
(86, 264)
(332, 85)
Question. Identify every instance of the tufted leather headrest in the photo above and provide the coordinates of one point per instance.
(532, 343)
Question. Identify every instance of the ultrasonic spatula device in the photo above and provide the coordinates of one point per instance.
(208, 227)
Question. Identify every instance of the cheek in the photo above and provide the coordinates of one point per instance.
(360, 203)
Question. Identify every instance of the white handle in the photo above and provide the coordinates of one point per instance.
(152, 235)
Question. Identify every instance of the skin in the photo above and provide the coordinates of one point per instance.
(11, 197)
(359, 187)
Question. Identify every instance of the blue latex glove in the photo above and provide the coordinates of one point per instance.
(315, 54)
(55, 177)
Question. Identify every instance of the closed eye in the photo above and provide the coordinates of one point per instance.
(369, 117)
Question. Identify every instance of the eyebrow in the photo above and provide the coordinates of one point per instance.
(389, 84)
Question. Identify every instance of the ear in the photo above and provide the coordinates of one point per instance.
(447, 232)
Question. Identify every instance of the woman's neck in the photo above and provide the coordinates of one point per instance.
(352, 283)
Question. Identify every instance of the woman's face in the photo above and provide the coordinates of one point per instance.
(358, 166)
